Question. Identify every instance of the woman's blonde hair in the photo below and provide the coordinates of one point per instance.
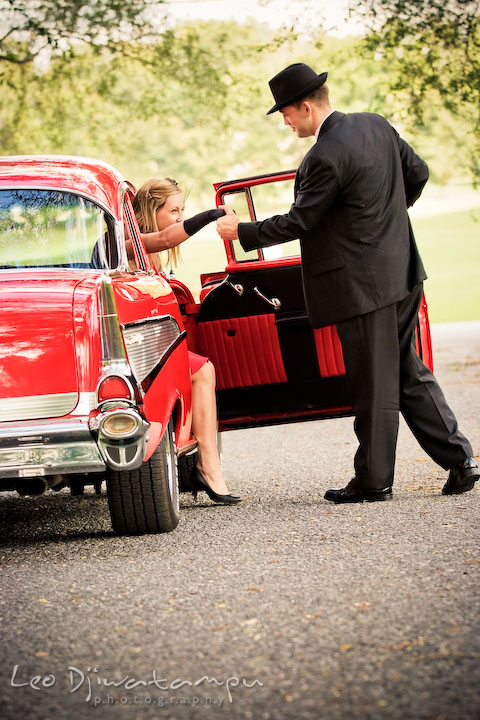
(146, 203)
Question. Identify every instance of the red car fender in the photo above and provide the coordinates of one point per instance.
(170, 391)
(171, 394)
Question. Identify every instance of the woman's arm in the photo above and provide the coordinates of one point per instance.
(176, 233)
(165, 239)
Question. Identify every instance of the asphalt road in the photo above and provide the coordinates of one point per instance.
(284, 607)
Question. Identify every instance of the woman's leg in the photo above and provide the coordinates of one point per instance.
(204, 426)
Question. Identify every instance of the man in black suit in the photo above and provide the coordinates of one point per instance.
(361, 270)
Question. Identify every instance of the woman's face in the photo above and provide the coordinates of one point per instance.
(172, 211)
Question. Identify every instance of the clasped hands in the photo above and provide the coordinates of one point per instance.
(227, 224)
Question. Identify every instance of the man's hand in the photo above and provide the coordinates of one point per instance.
(228, 224)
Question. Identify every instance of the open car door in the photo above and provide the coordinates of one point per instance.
(271, 365)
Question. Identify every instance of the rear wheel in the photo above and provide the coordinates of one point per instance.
(146, 500)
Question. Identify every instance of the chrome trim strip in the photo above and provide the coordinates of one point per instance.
(121, 247)
(37, 406)
(40, 407)
(87, 401)
(148, 341)
(133, 235)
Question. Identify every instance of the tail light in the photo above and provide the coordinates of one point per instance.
(119, 424)
(114, 387)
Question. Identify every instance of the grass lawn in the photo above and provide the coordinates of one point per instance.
(450, 248)
(449, 245)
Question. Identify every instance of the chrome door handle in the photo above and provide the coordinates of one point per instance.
(275, 302)
(237, 287)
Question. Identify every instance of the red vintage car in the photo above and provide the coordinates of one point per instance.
(94, 374)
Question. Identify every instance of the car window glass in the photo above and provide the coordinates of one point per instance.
(51, 228)
(239, 202)
(260, 202)
(271, 199)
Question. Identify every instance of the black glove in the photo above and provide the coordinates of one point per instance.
(197, 222)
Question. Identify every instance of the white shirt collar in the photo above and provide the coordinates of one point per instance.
(317, 131)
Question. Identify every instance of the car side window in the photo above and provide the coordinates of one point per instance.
(275, 199)
(259, 202)
(105, 250)
(240, 203)
(51, 228)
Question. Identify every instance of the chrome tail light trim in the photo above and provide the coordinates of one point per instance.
(113, 349)
(114, 357)
(121, 452)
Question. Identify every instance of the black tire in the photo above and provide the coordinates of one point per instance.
(186, 463)
(146, 500)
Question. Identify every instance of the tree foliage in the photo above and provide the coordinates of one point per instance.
(28, 27)
(191, 104)
(73, 73)
(433, 52)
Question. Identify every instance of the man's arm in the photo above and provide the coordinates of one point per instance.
(415, 171)
(315, 194)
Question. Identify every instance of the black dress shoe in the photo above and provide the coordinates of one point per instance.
(353, 493)
(462, 477)
(198, 482)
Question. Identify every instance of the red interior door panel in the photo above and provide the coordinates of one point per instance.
(329, 351)
(244, 350)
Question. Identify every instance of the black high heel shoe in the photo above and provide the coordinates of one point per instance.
(198, 482)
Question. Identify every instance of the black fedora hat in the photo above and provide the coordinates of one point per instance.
(293, 84)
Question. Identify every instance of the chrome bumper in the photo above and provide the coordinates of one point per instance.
(57, 447)
(29, 449)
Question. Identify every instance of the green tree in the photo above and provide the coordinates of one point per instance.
(107, 67)
(192, 104)
(433, 52)
(29, 27)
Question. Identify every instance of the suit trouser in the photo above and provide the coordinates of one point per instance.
(385, 376)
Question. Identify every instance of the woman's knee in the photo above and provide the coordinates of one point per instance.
(206, 374)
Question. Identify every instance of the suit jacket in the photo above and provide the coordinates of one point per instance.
(352, 190)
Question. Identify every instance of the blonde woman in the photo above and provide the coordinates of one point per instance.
(159, 207)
